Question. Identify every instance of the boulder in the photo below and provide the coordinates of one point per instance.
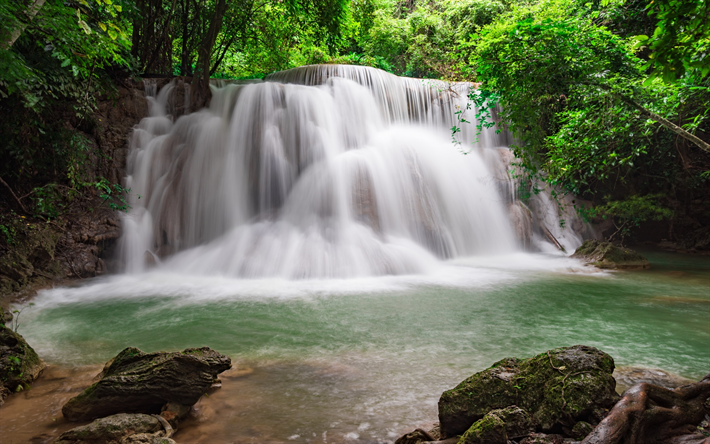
(499, 426)
(19, 364)
(558, 388)
(137, 382)
(606, 255)
(116, 429)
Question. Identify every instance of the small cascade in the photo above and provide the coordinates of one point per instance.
(323, 171)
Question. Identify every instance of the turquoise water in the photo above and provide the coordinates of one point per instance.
(369, 358)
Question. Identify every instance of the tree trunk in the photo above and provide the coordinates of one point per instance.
(200, 93)
(184, 60)
(15, 33)
(649, 414)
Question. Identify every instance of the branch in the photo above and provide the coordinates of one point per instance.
(663, 121)
(15, 196)
(32, 10)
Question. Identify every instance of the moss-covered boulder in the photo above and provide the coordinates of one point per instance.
(19, 364)
(114, 429)
(498, 426)
(140, 382)
(558, 388)
(606, 255)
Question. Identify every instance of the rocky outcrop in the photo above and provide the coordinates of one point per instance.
(36, 254)
(606, 255)
(19, 364)
(122, 428)
(33, 252)
(87, 240)
(558, 389)
(134, 381)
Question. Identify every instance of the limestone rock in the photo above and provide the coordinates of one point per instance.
(134, 381)
(112, 430)
(558, 387)
(19, 364)
(498, 426)
(606, 255)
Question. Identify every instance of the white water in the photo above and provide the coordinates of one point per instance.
(319, 172)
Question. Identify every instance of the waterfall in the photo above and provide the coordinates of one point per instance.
(322, 171)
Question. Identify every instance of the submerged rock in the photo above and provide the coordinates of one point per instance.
(123, 428)
(498, 426)
(134, 381)
(606, 255)
(558, 388)
(19, 364)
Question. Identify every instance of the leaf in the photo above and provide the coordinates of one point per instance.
(102, 26)
(66, 63)
(118, 8)
(85, 26)
(112, 34)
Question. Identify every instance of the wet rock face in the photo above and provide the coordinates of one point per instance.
(605, 255)
(19, 364)
(134, 381)
(558, 388)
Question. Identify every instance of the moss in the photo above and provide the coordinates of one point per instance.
(488, 430)
(606, 255)
(558, 387)
(19, 364)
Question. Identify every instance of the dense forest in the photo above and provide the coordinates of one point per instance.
(607, 99)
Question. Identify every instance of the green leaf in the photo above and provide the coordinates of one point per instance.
(85, 26)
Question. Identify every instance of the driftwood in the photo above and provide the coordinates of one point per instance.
(649, 414)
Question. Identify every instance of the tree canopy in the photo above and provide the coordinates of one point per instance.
(607, 99)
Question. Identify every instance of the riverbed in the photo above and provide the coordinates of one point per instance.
(358, 360)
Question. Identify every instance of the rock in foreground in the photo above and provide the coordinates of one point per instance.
(19, 364)
(137, 382)
(606, 255)
(117, 429)
(558, 389)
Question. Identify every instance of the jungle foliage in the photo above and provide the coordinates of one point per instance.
(606, 99)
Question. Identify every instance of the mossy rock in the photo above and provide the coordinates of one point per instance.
(19, 364)
(606, 255)
(138, 382)
(111, 430)
(498, 426)
(558, 388)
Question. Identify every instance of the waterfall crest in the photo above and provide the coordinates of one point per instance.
(323, 171)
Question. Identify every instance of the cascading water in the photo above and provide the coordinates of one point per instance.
(318, 172)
